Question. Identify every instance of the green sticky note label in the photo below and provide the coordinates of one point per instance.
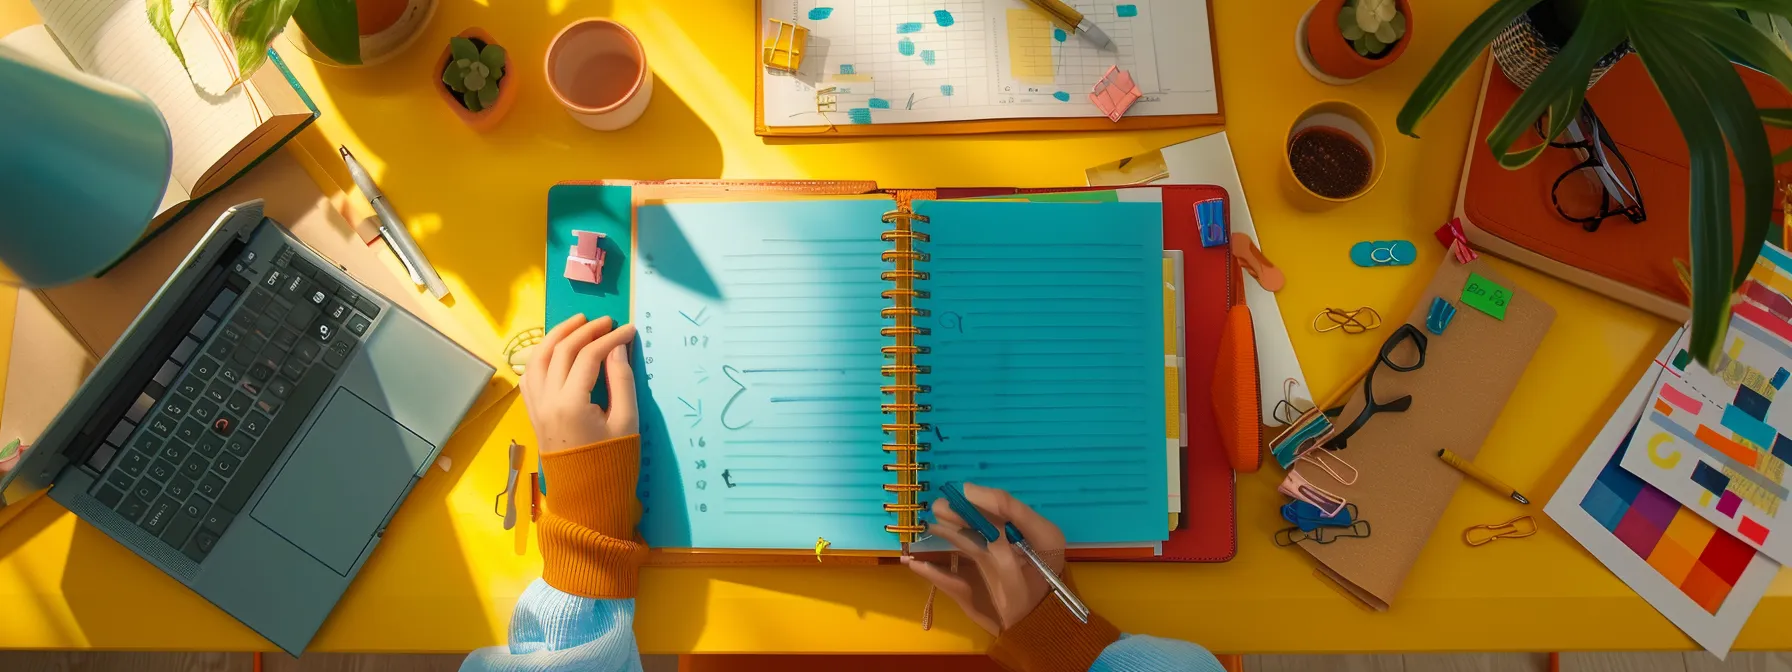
(1486, 296)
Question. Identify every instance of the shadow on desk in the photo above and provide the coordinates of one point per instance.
(477, 203)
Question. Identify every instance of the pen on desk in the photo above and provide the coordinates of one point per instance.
(1470, 470)
(968, 511)
(392, 229)
(1083, 25)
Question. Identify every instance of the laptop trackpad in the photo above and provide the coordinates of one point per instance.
(341, 481)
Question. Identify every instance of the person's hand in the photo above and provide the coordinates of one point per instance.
(560, 375)
(1002, 586)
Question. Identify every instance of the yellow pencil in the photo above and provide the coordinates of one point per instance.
(1470, 470)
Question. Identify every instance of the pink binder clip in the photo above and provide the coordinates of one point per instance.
(1114, 93)
(1451, 233)
(585, 263)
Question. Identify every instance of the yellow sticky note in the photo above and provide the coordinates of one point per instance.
(1030, 46)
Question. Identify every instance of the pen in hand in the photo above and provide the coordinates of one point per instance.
(975, 518)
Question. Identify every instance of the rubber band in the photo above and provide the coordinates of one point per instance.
(1351, 321)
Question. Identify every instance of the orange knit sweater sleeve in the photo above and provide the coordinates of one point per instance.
(1049, 639)
(589, 546)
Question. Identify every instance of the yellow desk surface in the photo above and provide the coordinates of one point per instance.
(447, 574)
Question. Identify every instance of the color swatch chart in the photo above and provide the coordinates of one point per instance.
(761, 417)
(1716, 440)
(899, 61)
(1703, 562)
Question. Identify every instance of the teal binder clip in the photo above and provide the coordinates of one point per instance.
(1440, 315)
(1383, 253)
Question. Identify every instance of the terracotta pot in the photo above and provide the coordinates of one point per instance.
(373, 16)
(488, 118)
(391, 34)
(1333, 55)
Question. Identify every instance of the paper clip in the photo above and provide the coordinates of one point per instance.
(1324, 535)
(1287, 411)
(1351, 321)
(585, 262)
(1439, 317)
(784, 45)
(1516, 528)
(1210, 214)
(1300, 488)
(1383, 253)
(1251, 258)
(1304, 434)
(1306, 516)
(1114, 93)
(1317, 457)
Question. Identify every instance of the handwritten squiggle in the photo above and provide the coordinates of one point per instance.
(730, 372)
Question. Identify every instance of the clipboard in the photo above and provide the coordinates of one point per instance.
(976, 126)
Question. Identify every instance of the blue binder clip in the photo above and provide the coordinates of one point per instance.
(1440, 316)
(1383, 253)
(1211, 214)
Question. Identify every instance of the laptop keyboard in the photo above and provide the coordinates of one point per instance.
(229, 399)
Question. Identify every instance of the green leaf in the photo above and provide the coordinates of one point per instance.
(493, 57)
(1372, 44)
(455, 77)
(1347, 19)
(1728, 100)
(1777, 116)
(1399, 24)
(1384, 10)
(160, 14)
(488, 96)
(1365, 17)
(1561, 86)
(462, 49)
(332, 27)
(1351, 31)
(251, 25)
(1710, 196)
(1456, 59)
(1780, 7)
(1719, 28)
(475, 80)
(1386, 33)
(472, 100)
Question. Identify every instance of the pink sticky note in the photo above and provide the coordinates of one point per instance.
(1114, 93)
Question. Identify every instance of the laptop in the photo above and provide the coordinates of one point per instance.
(256, 427)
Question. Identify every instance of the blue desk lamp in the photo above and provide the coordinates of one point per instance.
(83, 166)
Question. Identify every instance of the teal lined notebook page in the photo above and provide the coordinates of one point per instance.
(761, 418)
(1046, 356)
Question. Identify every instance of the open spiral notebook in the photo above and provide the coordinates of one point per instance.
(814, 367)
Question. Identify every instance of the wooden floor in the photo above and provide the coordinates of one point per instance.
(55, 661)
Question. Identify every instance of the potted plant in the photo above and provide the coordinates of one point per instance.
(334, 31)
(476, 81)
(1683, 47)
(1345, 40)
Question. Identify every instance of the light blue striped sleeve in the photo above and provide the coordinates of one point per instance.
(552, 630)
(1144, 653)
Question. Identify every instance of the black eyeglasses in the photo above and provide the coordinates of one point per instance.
(1396, 358)
(1608, 188)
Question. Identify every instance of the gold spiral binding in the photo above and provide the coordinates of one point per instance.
(906, 427)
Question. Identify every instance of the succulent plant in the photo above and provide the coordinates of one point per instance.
(473, 72)
(1371, 25)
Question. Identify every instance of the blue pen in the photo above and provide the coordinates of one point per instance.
(968, 511)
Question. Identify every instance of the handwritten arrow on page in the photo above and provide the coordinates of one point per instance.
(697, 319)
(702, 374)
(696, 412)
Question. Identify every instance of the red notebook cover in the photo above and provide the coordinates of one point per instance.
(1209, 531)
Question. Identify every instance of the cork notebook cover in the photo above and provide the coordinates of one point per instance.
(1469, 372)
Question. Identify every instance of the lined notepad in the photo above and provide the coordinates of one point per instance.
(761, 418)
(1047, 362)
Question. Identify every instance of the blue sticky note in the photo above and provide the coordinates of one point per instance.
(1751, 402)
(1710, 478)
(1046, 348)
(1779, 378)
(1748, 427)
(759, 367)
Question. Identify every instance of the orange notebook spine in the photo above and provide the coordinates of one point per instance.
(905, 409)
